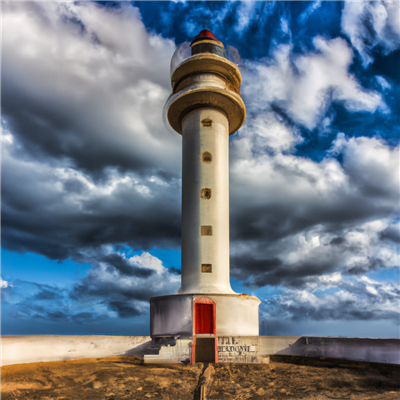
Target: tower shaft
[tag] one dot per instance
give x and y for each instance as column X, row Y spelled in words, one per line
column 205, row 202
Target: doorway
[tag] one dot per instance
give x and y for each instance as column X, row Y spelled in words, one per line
column 204, row 340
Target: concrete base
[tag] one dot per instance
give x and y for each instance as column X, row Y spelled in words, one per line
column 231, row 320
column 171, row 353
column 235, row 315
column 239, row 349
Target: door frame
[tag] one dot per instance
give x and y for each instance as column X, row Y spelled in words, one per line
column 204, row 300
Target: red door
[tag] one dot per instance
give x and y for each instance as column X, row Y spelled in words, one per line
column 204, row 318
column 204, row 349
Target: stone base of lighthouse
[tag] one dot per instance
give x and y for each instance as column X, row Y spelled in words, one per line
column 205, row 328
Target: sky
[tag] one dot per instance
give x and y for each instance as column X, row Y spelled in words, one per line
column 91, row 177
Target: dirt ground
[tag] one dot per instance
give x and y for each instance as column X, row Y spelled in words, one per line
column 115, row 378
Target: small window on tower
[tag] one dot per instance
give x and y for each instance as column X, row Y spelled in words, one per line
column 206, row 230
column 206, row 157
column 206, row 268
column 206, row 122
column 205, row 193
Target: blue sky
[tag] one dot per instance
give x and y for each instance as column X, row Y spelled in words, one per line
column 91, row 177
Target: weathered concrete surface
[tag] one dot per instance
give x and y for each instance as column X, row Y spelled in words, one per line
column 272, row 344
column 171, row 316
column 236, row 315
column 357, row 349
column 20, row 349
column 238, row 349
column 178, row 352
column 36, row 348
column 126, row 378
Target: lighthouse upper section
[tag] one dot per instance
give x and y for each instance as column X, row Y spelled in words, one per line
column 202, row 76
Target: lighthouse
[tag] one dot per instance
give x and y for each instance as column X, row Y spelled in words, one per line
column 205, row 320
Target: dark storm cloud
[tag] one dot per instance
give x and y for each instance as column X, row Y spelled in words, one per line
column 359, row 299
column 347, row 310
column 174, row 271
column 124, row 310
column 121, row 264
column 88, row 166
column 367, row 266
column 257, row 268
column 76, row 104
column 293, row 218
column 87, row 117
column 109, row 287
column 274, row 272
column 337, row 241
column 392, row 232
column 121, row 291
column 41, row 215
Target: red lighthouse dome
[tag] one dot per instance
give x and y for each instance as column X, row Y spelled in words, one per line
column 206, row 34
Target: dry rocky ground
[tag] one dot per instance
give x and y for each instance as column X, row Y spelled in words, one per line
column 115, row 378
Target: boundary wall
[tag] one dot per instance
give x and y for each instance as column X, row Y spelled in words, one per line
column 43, row 348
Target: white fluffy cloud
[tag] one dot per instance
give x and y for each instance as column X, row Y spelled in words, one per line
column 304, row 86
column 369, row 24
column 4, row 284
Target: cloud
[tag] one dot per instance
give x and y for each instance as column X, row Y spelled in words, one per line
column 4, row 284
column 97, row 99
column 392, row 233
column 304, row 86
column 46, row 294
column 293, row 219
column 59, row 212
column 370, row 25
column 245, row 13
column 371, row 164
column 357, row 299
column 125, row 291
column 108, row 290
column 315, row 5
column 89, row 169
column 86, row 155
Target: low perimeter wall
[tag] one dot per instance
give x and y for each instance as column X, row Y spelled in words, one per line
column 43, row 348
column 355, row 349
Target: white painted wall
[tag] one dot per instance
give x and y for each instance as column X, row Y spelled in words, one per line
column 22, row 349
column 196, row 175
column 236, row 315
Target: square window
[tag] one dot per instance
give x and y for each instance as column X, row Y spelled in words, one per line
column 206, row 230
column 206, row 268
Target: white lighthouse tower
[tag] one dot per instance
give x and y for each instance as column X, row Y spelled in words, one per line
column 205, row 107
